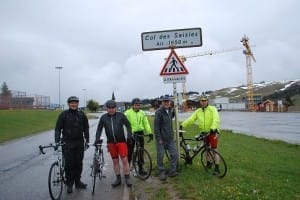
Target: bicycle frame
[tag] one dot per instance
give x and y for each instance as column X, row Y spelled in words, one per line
column 97, row 164
column 56, row 176
column 183, row 143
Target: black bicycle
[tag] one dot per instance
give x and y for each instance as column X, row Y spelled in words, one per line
column 142, row 161
column 98, row 164
column 212, row 161
column 56, row 177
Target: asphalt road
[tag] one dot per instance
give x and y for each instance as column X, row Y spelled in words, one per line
column 24, row 172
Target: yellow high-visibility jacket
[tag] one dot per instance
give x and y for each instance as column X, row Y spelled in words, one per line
column 207, row 118
column 138, row 121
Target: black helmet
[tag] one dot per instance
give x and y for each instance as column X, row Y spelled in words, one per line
column 73, row 98
column 136, row 101
column 111, row 104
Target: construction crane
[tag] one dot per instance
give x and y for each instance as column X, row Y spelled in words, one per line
column 206, row 53
column 249, row 55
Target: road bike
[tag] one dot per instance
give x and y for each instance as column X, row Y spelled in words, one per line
column 142, row 162
column 212, row 161
column 56, row 176
column 97, row 164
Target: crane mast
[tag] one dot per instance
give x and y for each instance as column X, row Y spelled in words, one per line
column 249, row 56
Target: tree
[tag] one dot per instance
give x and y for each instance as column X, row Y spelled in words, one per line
column 289, row 100
column 92, row 105
column 4, row 90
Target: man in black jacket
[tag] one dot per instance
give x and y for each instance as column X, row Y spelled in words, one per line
column 73, row 125
column 113, row 122
column 164, row 135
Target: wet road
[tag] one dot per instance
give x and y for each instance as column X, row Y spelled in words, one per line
column 24, row 172
column 278, row 126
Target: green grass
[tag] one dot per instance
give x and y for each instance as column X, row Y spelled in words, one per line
column 19, row 123
column 257, row 169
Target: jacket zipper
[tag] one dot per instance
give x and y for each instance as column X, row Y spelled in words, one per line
column 112, row 128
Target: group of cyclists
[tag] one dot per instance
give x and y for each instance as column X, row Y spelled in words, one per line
column 121, row 130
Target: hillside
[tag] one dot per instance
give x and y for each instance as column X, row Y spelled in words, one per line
column 268, row 90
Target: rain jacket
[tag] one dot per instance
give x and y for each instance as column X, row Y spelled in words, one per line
column 73, row 125
column 114, row 127
column 207, row 118
column 138, row 121
column 163, row 124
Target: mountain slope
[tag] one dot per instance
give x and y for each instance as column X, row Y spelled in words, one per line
column 268, row 90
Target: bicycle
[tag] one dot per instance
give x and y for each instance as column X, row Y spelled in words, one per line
column 98, row 164
column 210, row 158
column 56, row 176
column 142, row 162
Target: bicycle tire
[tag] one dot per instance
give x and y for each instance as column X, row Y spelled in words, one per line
column 101, row 164
column 94, row 174
column 208, row 155
column 55, row 181
column 142, row 157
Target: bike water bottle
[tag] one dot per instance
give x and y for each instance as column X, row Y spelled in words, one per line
column 188, row 147
column 196, row 148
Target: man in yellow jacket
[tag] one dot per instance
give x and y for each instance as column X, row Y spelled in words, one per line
column 208, row 118
column 139, row 125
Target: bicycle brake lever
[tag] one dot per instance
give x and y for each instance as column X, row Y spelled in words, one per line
column 41, row 150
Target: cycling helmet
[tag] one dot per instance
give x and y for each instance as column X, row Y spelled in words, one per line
column 203, row 97
column 73, row 98
column 136, row 101
column 111, row 104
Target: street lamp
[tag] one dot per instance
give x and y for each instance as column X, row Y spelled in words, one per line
column 59, row 68
column 84, row 97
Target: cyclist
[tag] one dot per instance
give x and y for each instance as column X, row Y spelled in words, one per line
column 113, row 123
column 74, row 127
column 140, row 125
column 209, row 120
column 163, row 129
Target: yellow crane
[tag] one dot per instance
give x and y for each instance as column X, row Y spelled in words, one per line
column 249, row 55
column 206, row 53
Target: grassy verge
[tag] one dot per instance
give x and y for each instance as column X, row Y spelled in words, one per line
column 257, row 169
column 19, row 123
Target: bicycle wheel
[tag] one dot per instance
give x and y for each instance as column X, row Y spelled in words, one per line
column 213, row 163
column 94, row 173
column 101, row 164
column 142, row 163
column 55, row 181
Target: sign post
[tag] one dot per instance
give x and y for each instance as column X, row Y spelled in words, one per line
column 174, row 72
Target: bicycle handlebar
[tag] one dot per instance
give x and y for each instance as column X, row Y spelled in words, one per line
column 49, row 146
column 150, row 135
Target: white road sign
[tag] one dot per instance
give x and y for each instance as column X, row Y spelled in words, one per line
column 180, row 38
column 174, row 79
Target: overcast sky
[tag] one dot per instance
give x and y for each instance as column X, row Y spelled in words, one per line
column 98, row 44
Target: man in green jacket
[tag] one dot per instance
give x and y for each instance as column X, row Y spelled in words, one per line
column 139, row 125
column 208, row 118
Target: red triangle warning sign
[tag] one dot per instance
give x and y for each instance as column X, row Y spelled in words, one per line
column 173, row 65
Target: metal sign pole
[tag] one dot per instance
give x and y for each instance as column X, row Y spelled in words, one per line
column 176, row 119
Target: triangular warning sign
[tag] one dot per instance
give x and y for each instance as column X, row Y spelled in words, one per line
column 173, row 65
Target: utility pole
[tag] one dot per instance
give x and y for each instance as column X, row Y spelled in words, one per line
column 59, row 68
